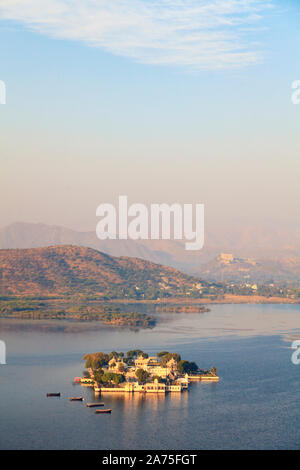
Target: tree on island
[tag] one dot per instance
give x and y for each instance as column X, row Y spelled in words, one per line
column 162, row 353
column 142, row 376
column 167, row 357
column 214, row 371
column 186, row 367
column 118, row 379
column 88, row 360
column 96, row 360
column 98, row 374
column 134, row 354
column 113, row 354
column 102, row 377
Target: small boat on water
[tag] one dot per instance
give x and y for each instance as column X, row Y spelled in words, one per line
column 103, row 411
column 94, row 404
column 76, row 399
column 53, row 394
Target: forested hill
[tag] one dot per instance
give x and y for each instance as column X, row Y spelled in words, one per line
column 68, row 269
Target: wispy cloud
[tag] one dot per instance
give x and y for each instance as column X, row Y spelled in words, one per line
column 199, row 34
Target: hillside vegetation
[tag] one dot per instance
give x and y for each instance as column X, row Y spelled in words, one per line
column 61, row 270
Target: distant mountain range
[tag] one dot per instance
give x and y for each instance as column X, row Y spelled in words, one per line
column 67, row 269
column 25, row 235
column 259, row 255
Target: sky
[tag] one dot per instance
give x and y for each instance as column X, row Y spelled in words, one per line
column 162, row 101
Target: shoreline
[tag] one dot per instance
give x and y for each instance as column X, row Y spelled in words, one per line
column 229, row 299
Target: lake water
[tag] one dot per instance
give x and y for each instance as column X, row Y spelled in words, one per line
column 254, row 406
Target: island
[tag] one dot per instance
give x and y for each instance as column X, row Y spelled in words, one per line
column 136, row 371
column 60, row 308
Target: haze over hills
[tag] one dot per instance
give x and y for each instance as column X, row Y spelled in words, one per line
column 274, row 254
column 67, row 269
column 25, row 235
column 226, row 267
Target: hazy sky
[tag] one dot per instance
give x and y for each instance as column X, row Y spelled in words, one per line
column 163, row 101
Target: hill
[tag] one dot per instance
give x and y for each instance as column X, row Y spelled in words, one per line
column 228, row 268
column 259, row 255
column 67, row 269
column 254, row 242
column 27, row 235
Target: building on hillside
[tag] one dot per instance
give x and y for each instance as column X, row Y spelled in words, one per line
column 226, row 257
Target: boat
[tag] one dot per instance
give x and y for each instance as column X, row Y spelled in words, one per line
column 103, row 411
column 53, row 394
column 94, row 404
column 76, row 399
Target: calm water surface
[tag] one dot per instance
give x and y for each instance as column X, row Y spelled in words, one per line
column 254, row 406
